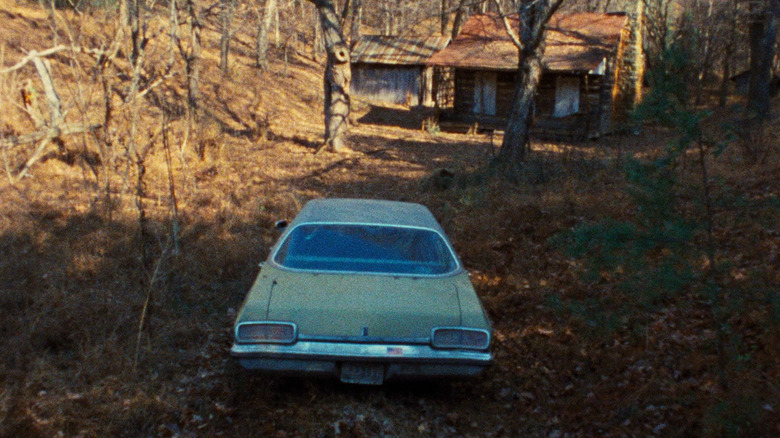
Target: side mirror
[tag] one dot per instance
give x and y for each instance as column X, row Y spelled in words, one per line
column 281, row 225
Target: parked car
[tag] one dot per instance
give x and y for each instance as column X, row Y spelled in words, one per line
column 366, row 291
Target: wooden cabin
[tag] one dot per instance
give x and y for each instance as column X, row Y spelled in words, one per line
column 393, row 69
column 588, row 83
column 742, row 83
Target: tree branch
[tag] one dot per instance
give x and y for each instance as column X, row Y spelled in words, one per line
column 32, row 55
column 52, row 98
column 508, row 26
column 535, row 34
column 50, row 133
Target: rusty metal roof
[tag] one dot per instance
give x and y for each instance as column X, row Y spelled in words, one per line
column 574, row 42
column 378, row 49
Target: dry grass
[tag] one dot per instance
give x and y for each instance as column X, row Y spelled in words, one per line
column 74, row 280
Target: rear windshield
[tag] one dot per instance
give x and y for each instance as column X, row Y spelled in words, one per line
column 366, row 248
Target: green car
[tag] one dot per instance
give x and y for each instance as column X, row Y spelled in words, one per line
column 366, row 291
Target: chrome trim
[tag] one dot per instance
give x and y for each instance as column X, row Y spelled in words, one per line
column 467, row 329
column 239, row 325
column 365, row 339
column 277, row 246
column 336, row 351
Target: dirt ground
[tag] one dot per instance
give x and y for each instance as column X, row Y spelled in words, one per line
column 121, row 272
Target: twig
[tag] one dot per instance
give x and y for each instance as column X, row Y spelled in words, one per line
column 7, row 166
column 145, row 309
column 35, row 157
column 171, row 185
column 154, row 85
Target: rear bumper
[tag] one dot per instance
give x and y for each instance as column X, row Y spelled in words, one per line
column 400, row 361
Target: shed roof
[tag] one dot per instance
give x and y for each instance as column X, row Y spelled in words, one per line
column 574, row 42
column 379, row 49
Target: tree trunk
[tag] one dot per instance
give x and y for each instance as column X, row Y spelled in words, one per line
column 264, row 27
column 517, row 137
column 460, row 18
column 193, row 58
column 192, row 67
column 387, row 18
column 529, row 39
column 173, row 33
column 357, row 16
column 135, row 29
column 317, row 45
column 763, row 31
column 705, row 66
column 445, row 16
column 224, row 42
column 728, row 53
column 338, row 74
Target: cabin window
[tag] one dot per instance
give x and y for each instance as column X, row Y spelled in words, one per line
column 485, row 93
column 567, row 96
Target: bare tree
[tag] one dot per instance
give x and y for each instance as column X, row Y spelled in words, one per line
column 764, row 15
column 228, row 9
column 317, row 46
column 461, row 15
column 533, row 16
column 261, row 52
column 337, row 77
column 729, row 47
column 136, row 28
column 350, row 18
column 705, row 9
column 659, row 17
column 445, row 16
column 191, row 55
column 356, row 15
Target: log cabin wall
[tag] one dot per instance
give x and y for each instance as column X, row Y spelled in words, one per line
column 444, row 87
column 584, row 50
column 464, row 88
column 464, row 91
column 506, row 92
column 586, row 123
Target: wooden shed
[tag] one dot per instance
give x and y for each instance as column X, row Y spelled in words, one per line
column 591, row 79
column 393, row 69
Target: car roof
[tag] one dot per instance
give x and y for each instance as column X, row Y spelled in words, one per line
column 366, row 211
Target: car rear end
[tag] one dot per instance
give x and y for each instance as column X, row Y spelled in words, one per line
column 362, row 329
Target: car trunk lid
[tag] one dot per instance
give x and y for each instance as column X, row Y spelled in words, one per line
column 364, row 306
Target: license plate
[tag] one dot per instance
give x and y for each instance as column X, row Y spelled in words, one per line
column 363, row 373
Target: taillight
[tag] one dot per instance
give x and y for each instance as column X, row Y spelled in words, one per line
column 456, row 337
column 266, row 332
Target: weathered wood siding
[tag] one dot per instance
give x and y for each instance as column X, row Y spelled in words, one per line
column 587, row 122
column 393, row 84
column 464, row 92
